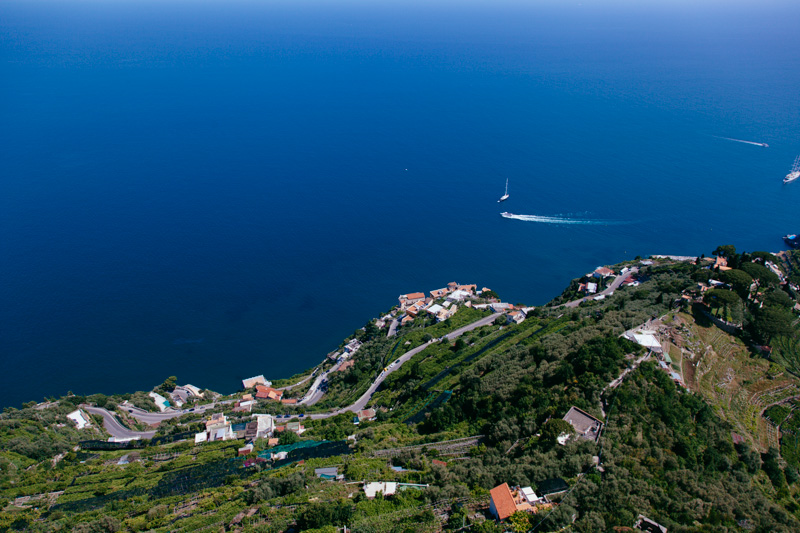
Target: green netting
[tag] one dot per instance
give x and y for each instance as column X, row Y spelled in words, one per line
column 291, row 447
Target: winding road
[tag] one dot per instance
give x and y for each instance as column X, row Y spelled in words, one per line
column 608, row 291
column 115, row 428
column 314, row 393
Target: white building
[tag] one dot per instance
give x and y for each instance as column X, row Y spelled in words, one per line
column 457, row 296
column 249, row 383
column 80, row 418
column 160, row 401
column 266, row 426
column 645, row 338
column 386, row 487
column 531, row 496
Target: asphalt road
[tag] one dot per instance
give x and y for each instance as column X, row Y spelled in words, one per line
column 315, row 393
column 365, row 398
column 314, row 373
column 114, row 428
column 392, row 328
column 610, row 289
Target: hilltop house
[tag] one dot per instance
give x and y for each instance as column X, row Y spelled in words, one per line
column 217, row 428
column 602, row 272
column 721, row 264
column 516, row 315
column 645, row 338
column 328, row 472
column 160, row 401
column 500, row 307
column 442, row 312
column 80, row 418
column 268, row 393
column 439, row 293
column 458, row 295
column 388, row 488
column 407, row 300
column 352, row 346
column 586, row 426
column 249, row 383
column 504, row 501
column 244, row 406
column 265, row 425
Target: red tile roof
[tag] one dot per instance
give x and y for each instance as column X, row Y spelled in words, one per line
column 415, row 296
column 503, row 501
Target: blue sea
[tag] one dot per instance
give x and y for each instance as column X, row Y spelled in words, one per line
column 215, row 190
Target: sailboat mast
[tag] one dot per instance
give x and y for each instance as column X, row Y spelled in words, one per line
column 506, row 186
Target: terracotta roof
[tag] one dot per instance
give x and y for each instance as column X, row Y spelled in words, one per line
column 347, row 364
column 268, row 392
column 289, row 400
column 503, row 501
column 415, row 296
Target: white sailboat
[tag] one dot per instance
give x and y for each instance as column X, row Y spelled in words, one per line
column 795, row 173
column 505, row 196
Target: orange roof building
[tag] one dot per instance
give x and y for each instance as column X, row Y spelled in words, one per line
column 502, row 502
column 268, row 393
column 346, row 365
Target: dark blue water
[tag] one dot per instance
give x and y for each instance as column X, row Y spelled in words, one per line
column 221, row 189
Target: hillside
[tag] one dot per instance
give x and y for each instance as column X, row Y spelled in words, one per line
column 458, row 413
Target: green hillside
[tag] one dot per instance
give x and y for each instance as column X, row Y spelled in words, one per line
column 465, row 415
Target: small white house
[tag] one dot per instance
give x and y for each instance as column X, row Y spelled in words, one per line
column 457, row 296
column 266, row 425
column 160, row 401
column 249, row 383
column 80, row 418
column 386, row 487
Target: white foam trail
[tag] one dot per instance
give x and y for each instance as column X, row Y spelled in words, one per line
column 765, row 145
column 555, row 220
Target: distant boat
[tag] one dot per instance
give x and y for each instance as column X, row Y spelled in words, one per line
column 795, row 173
column 792, row 240
column 505, row 196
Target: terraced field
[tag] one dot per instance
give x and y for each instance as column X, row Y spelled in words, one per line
column 737, row 383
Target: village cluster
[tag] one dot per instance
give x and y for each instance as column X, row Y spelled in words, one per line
column 443, row 303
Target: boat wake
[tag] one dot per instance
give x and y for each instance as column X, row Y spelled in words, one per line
column 764, row 145
column 559, row 220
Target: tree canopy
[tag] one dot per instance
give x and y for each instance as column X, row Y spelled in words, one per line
column 760, row 273
column 739, row 280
